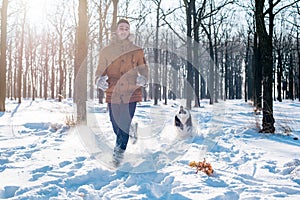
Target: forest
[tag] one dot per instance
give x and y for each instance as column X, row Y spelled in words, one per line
column 205, row 49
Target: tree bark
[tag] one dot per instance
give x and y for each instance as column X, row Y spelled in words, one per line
column 226, row 67
column 189, row 89
column 291, row 78
column 196, row 58
column 20, row 62
column 10, row 73
column 165, row 75
column 115, row 12
column 298, row 53
column 3, row 55
column 60, row 64
column 247, row 69
column 46, row 71
column 279, row 76
column 80, row 96
column 156, row 56
column 265, row 43
column 52, row 79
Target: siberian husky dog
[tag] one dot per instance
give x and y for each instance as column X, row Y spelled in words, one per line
column 183, row 122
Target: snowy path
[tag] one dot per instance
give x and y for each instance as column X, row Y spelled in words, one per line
column 6, row 123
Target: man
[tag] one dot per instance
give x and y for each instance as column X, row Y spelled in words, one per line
column 121, row 73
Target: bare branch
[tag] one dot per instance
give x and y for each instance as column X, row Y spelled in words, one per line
column 213, row 12
column 175, row 32
column 284, row 7
column 280, row 9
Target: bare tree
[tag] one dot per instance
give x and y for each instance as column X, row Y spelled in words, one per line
column 102, row 11
column 80, row 96
column 28, row 51
column 298, row 53
column 114, row 17
column 248, row 77
column 3, row 55
column 10, row 80
column 53, row 74
column 156, row 52
column 278, row 48
column 20, row 60
column 265, row 36
column 189, row 6
column 61, row 28
column 265, row 43
column 46, row 41
column 209, row 24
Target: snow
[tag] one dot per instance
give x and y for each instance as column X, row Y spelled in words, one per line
column 42, row 158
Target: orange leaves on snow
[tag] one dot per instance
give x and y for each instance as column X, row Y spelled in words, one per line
column 202, row 166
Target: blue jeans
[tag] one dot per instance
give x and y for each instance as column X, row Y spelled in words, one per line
column 121, row 116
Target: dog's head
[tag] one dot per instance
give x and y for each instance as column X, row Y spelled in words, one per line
column 183, row 115
column 182, row 110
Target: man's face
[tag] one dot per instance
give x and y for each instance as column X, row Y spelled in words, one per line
column 123, row 31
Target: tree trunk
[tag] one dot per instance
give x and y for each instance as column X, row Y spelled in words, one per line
column 115, row 12
column 103, row 15
column 298, row 52
column 267, row 62
column 211, row 70
column 247, row 67
column 291, row 78
column 3, row 55
column 216, row 73
column 46, row 74
column 53, row 77
column 265, row 43
column 196, row 58
column 222, row 75
column 279, row 76
column 226, row 85
column 33, row 82
column 211, row 81
column 15, row 75
column 91, row 73
column 61, row 71
column 80, row 95
column 10, row 73
column 230, row 75
column 20, row 61
column 156, row 56
column 26, row 81
column 189, row 88
column 165, row 75
column 257, row 71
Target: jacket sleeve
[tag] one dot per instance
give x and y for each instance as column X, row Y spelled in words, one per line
column 142, row 65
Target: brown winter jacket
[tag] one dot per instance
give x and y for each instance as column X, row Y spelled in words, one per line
column 122, row 61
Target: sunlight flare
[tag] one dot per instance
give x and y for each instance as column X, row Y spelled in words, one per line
column 37, row 12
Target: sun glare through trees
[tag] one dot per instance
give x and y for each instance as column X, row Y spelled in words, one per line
column 37, row 12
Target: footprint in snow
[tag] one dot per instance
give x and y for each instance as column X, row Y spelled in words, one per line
column 39, row 172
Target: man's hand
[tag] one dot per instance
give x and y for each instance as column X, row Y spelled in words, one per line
column 141, row 81
column 101, row 83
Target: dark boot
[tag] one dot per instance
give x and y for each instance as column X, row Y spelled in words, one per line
column 118, row 156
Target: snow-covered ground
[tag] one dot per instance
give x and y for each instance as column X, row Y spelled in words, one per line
column 42, row 158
